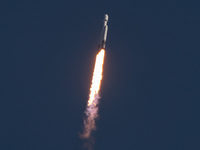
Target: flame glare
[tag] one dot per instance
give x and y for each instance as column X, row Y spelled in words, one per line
column 92, row 107
column 97, row 76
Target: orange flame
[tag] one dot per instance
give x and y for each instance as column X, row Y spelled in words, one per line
column 97, row 76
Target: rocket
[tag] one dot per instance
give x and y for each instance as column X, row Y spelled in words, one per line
column 102, row 43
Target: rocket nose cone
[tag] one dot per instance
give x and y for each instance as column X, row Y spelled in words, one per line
column 106, row 17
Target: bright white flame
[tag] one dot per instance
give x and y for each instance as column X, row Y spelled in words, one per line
column 92, row 107
column 97, row 76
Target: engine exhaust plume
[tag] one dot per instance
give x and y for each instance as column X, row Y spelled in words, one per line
column 92, row 105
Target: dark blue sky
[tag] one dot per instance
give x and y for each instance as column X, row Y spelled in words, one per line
column 150, row 94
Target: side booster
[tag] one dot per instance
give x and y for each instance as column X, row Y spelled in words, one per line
column 104, row 31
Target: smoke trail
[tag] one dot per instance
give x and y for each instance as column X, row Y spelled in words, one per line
column 92, row 106
column 92, row 114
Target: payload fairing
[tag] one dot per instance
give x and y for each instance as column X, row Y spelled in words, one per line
column 104, row 31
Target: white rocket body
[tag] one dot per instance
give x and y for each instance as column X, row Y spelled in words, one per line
column 104, row 31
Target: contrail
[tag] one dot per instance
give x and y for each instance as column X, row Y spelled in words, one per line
column 92, row 106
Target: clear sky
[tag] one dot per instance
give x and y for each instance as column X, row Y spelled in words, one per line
column 150, row 89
